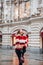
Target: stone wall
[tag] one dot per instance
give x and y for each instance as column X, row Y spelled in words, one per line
column 36, row 26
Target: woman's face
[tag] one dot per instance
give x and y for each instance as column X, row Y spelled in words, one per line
column 21, row 32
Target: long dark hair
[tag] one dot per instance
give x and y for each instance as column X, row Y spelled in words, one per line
column 18, row 32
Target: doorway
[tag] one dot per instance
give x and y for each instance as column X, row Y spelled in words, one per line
column 41, row 42
column 0, row 38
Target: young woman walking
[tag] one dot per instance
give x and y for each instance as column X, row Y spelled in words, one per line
column 21, row 45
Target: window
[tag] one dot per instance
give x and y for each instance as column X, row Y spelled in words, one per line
column 0, row 36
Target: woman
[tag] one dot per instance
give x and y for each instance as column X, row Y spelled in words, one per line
column 21, row 44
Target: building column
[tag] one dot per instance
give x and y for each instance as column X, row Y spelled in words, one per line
column 42, row 8
column 34, row 6
column 5, row 11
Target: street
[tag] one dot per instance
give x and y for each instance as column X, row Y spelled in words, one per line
column 9, row 57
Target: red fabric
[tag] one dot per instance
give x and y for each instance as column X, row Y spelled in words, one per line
column 41, row 34
column 0, row 36
column 24, row 37
column 21, row 37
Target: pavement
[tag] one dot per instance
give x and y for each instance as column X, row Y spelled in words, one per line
column 9, row 57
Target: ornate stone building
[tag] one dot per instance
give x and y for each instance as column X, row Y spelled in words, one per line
column 21, row 14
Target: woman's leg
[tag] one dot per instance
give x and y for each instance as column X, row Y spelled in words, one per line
column 24, row 50
column 18, row 52
column 22, row 54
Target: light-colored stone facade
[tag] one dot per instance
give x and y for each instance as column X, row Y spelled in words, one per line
column 32, row 25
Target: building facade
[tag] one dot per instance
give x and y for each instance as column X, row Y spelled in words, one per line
column 21, row 14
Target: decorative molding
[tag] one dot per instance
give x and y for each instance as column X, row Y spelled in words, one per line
column 28, row 21
column 16, row 23
column 6, row 33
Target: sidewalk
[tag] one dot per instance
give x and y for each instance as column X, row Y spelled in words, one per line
column 9, row 57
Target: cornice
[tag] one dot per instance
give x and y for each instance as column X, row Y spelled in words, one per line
column 28, row 21
column 36, row 18
column 16, row 23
